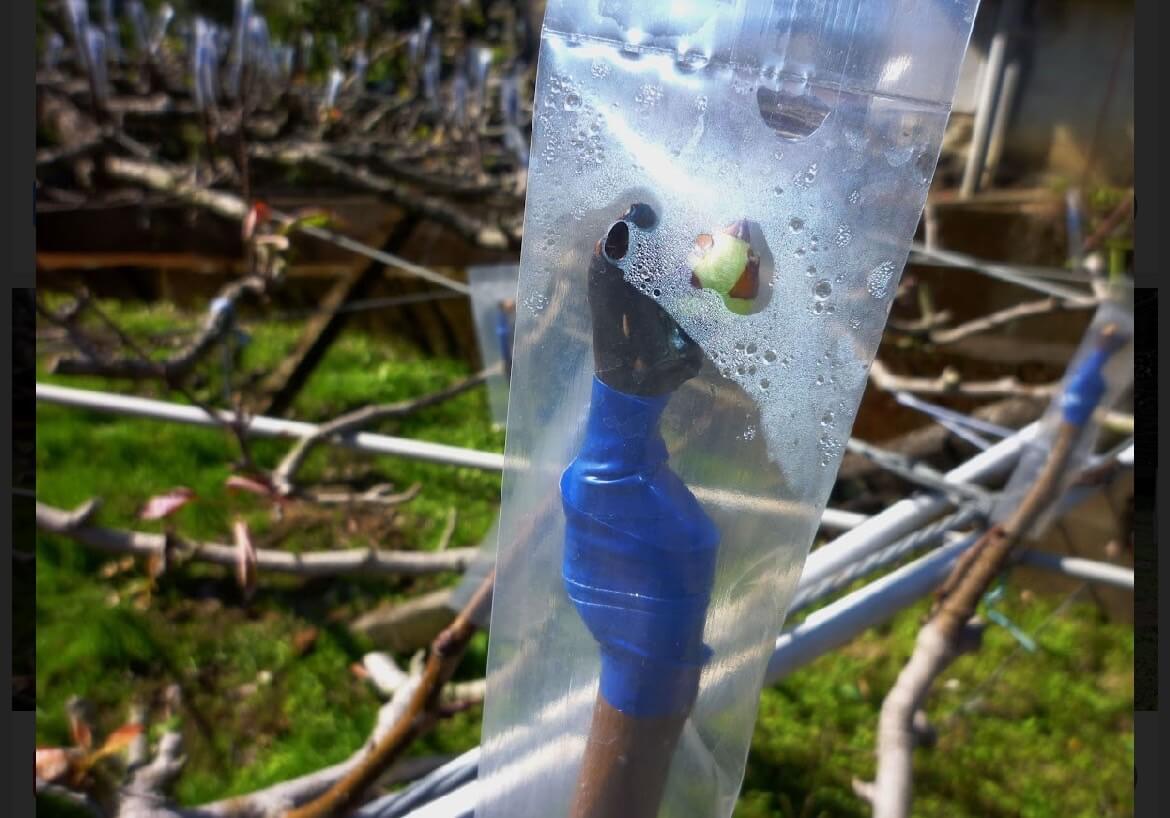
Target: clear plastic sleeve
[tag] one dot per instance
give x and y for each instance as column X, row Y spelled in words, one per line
column 493, row 309
column 1083, row 405
column 721, row 197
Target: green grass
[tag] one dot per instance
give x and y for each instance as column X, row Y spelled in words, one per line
column 1053, row 734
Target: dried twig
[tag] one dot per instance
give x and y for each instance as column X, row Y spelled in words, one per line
column 364, row 561
column 951, row 383
column 422, row 713
column 950, row 630
column 284, row 475
column 1028, row 309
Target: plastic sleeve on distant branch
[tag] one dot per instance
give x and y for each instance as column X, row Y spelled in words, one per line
column 1085, row 388
column 639, row 560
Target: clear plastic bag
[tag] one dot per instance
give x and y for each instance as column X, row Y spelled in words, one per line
column 493, row 309
column 666, row 528
column 1115, row 377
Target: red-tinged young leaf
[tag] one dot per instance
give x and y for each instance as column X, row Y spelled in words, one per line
column 245, row 557
column 257, row 214
column 55, row 763
column 238, row 482
column 115, row 742
column 164, row 505
column 80, row 732
column 304, row 640
column 359, row 670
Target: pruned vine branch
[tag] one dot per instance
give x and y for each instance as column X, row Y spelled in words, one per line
column 353, row 561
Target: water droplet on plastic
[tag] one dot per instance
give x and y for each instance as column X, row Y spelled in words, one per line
column 820, row 380
column 855, row 322
column 879, row 278
column 844, row 235
column 797, row 225
column 765, row 383
column 751, row 349
column 779, row 191
column 827, row 419
column 818, row 308
column 751, row 370
column 854, row 197
column 799, row 252
column 811, row 270
column 769, row 356
column 823, row 289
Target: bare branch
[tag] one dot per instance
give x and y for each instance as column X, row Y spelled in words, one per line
column 284, row 475
column 950, row 383
column 422, row 713
column 1028, row 309
column 363, row 561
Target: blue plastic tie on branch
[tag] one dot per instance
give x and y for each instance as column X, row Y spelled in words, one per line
column 1085, row 387
column 998, row 617
column 505, row 327
column 640, row 572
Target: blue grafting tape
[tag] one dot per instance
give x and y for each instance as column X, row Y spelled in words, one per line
column 639, row 559
column 1085, row 388
column 504, row 329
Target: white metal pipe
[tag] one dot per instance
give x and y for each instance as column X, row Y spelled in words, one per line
column 1103, row 573
column 999, row 127
column 907, row 516
column 840, row 622
column 262, row 426
column 985, row 108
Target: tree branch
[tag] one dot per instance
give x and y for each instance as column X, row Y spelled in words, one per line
column 353, row 561
column 421, row 714
column 284, row 475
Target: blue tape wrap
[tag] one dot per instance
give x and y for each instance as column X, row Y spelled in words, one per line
column 1085, row 388
column 504, row 337
column 639, row 559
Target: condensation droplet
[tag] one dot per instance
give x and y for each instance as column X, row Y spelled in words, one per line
column 854, row 197
column 797, row 225
column 818, row 308
column 799, row 252
column 811, row 271
column 820, row 380
column 823, row 289
column 855, row 322
column 879, row 278
column 751, row 370
column 572, row 101
column 827, row 419
column 751, row 349
column 844, row 235
column 769, row 356
column 765, row 383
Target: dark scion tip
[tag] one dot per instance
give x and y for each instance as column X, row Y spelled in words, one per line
column 617, row 241
column 642, row 216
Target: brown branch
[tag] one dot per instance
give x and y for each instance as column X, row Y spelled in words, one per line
column 284, row 475
column 363, row 561
column 1028, row 309
column 140, row 366
column 421, row 714
column 474, row 230
column 1110, row 224
column 950, row 628
column 950, row 383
